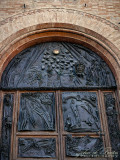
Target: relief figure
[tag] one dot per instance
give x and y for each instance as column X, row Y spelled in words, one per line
column 80, row 114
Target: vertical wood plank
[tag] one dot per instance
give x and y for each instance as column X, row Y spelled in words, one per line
column 105, row 124
column 15, row 116
column 1, row 111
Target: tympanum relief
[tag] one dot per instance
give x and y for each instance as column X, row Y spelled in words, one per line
column 73, row 66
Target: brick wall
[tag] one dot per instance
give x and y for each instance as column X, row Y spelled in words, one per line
column 108, row 9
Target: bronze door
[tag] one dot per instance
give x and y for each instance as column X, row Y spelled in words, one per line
column 57, row 124
column 58, row 101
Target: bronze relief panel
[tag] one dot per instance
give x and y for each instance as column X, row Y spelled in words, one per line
column 113, row 126
column 37, row 112
column 84, row 147
column 80, row 112
column 37, row 147
column 7, row 120
column 57, row 65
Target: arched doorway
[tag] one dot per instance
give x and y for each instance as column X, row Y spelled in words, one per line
column 58, row 103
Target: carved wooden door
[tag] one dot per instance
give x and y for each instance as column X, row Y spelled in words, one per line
column 58, row 102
